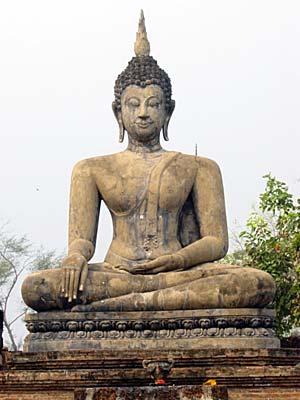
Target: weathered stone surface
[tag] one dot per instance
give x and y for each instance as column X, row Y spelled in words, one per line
column 275, row 393
column 154, row 393
column 235, row 369
column 168, row 215
column 36, row 395
column 194, row 329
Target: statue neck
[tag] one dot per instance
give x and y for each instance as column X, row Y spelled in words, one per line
column 141, row 147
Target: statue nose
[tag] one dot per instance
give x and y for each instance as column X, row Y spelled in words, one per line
column 143, row 117
column 143, row 114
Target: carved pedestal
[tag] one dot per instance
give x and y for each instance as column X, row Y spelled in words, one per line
column 168, row 330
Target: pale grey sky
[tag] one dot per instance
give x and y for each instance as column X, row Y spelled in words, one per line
column 235, row 70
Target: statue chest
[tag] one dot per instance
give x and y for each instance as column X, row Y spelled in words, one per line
column 164, row 185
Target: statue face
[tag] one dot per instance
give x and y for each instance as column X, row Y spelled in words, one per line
column 143, row 111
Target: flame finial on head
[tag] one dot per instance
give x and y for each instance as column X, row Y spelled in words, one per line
column 142, row 45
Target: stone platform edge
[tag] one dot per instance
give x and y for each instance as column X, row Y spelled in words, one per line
column 229, row 367
column 188, row 329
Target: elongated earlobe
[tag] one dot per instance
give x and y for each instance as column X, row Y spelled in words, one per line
column 165, row 131
column 118, row 116
column 121, row 132
column 166, row 124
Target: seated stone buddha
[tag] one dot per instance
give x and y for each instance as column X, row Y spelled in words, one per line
column 168, row 213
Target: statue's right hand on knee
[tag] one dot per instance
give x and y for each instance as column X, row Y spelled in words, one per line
column 75, row 270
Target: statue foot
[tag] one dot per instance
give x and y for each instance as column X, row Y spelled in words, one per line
column 129, row 302
column 82, row 308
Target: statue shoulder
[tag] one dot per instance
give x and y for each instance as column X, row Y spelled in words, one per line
column 89, row 165
column 208, row 166
column 209, row 172
column 202, row 163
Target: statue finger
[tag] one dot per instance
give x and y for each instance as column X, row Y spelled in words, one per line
column 140, row 267
column 76, row 283
column 67, row 281
column 136, row 270
column 152, row 264
column 63, row 283
column 159, row 270
column 166, row 268
column 71, row 284
column 153, row 271
column 122, row 268
column 83, row 276
column 143, row 268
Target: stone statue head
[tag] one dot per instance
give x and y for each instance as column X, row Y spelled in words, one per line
column 143, row 102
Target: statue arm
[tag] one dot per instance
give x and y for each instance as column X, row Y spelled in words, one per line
column 84, row 211
column 209, row 204
column 83, row 222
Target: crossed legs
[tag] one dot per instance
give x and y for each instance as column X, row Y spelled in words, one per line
column 205, row 286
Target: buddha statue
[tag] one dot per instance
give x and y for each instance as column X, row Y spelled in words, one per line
column 168, row 213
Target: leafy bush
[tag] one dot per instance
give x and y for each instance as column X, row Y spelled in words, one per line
column 272, row 243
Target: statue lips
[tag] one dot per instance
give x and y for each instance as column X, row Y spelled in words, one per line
column 143, row 122
column 144, row 125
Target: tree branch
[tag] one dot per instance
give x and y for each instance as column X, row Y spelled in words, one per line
column 9, row 262
column 10, row 334
column 16, row 318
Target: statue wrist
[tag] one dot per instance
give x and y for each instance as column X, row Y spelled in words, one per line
column 180, row 261
column 83, row 247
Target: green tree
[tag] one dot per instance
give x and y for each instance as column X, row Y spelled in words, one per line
column 18, row 255
column 271, row 242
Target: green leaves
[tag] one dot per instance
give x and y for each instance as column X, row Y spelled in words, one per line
column 276, row 197
column 272, row 243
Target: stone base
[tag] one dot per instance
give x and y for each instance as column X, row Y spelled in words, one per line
column 128, row 375
column 160, row 392
column 171, row 330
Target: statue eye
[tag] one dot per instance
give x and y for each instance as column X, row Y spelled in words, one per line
column 154, row 103
column 133, row 102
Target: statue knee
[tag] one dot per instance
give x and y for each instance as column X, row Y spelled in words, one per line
column 266, row 282
column 260, row 286
column 39, row 292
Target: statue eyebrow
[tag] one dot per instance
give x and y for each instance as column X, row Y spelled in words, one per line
column 132, row 98
column 154, row 97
